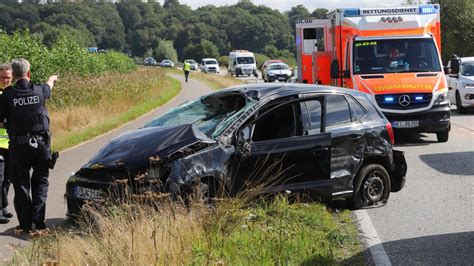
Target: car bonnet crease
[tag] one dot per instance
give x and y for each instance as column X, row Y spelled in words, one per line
column 133, row 149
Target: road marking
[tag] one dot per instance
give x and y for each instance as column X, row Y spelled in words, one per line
column 371, row 238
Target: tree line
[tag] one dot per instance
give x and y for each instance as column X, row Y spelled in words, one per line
column 143, row 29
column 175, row 31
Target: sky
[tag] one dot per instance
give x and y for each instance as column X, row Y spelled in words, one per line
column 286, row 5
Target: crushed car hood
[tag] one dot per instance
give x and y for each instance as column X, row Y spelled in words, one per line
column 133, row 149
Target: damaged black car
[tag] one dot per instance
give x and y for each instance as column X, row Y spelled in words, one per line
column 329, row 141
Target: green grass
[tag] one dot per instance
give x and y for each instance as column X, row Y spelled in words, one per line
column 114, row 121
column 280, row 233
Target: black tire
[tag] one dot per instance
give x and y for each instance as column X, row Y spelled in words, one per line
column 461, row 110
column 443, row 136
column 371, row 187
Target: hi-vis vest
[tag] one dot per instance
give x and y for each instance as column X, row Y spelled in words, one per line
column 187, row 66
column 3, row 136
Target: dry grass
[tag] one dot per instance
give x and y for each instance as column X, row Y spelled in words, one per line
column 79, row 105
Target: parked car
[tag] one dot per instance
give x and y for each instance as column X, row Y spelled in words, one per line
column 298, row 137
column 193, row 64
column 209, row 65
column 276, row 71
column 149, row 61
column 167, row 63
column 461, row 82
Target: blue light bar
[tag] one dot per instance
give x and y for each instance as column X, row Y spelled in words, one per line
column 419, row 98
column 352, row 12
column 427, row 9
column 388, row 99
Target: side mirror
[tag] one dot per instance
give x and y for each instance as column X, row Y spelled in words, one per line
column 335, row 69
column 446, row 70
column 455, row 66
column 346, row 74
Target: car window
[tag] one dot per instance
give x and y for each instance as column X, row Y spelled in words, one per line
column 337, row 110
column 312, row 121
column 357, row 111
column 277, row 124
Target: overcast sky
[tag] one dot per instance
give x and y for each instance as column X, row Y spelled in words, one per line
column 286, row 5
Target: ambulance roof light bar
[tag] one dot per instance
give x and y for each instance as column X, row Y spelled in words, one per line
column 423, row 9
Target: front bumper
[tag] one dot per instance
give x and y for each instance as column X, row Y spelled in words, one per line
column 434, row 120
column 467, row 98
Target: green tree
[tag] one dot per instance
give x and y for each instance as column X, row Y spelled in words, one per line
column 165, row 50
column 202, row 50
column 457, row 28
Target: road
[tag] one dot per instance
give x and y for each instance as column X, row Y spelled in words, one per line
column 431, row 221
column 72, row 159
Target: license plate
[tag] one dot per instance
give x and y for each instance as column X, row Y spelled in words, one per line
column 87, row 193
column 406, row 124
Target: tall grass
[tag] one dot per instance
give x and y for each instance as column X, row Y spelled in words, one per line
column 231, row 232
column 82, row 108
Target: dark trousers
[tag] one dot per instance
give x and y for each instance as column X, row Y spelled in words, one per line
column 30, row 209
column 186, row 75
column 4, row 179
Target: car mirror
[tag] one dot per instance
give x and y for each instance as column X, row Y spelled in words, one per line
column 335, row 69
column 446, row 70
column 455, row 66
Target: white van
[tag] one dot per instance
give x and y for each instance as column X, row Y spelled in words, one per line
column 242, row 62
column 209, row 65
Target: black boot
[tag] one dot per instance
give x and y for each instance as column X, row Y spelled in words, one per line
column 4, row 220
column 7, row 214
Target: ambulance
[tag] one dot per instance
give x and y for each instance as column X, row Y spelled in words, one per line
column 392, row 53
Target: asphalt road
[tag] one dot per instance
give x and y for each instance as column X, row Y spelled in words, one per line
column 72, row 159
column 431, row 221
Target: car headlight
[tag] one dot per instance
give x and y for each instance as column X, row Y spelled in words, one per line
column 271, row 74
column 441, row 97
column 467, row 84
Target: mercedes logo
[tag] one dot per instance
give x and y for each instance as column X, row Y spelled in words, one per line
column 404, row 100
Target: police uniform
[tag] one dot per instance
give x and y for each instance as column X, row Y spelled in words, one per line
column 27, row 123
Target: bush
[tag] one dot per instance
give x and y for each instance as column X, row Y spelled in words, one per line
column 224, row 60
column 63, row 57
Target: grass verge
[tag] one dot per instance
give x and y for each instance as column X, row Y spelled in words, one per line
column 83, row 109
column 214, row 81
column 266, row 233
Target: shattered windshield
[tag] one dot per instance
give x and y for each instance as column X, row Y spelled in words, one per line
column 395, row 56
column 207, row 113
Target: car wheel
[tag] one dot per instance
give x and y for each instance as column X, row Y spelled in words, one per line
column 460, row 109
column 443, row 136
column 371, row 187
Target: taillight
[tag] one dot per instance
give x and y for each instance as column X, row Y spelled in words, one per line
column 389, row 128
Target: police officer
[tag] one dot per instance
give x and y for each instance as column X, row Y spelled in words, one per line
column 27, row 123
column 5, row 81
column 186, row 69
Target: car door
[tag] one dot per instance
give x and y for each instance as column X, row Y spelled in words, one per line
column 279, row 157
column 348, row 141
